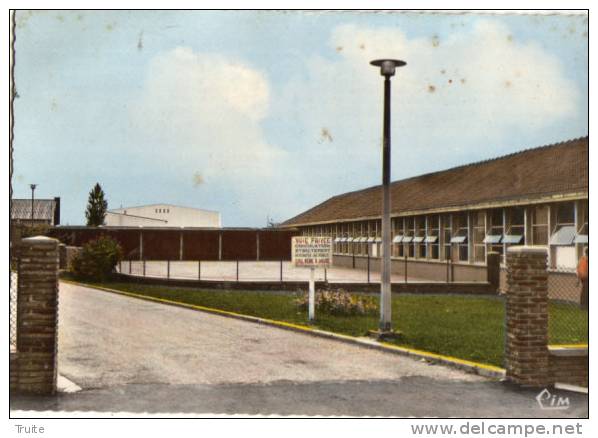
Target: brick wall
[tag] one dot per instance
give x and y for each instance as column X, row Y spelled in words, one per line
column 526, row 349
column 197, row 244
column 569, row 365
column 33, row 366
column 529, row 360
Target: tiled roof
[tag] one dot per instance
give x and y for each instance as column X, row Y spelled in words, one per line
column 43, row 209
column 555, row 169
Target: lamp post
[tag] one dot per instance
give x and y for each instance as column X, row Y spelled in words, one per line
column 387, row 69
column 33, row 186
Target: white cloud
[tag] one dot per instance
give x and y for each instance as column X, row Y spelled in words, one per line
column 206, row 109
column 458, row 95
column 473, row 87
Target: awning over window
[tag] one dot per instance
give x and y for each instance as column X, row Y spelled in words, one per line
column 397, row 239
column 378, row 239
column 338, row 239
column 492, row 238
column 407, row 239
column 349, row 239
column 418, row 239
column 431, row 239
column 371, row 239
column 564, row 236
column 459, row 239
column 512, row 238
column 581, row 238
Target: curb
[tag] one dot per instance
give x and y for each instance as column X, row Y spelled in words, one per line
column 481, row 369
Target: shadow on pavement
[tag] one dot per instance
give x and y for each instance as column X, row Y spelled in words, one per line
column 409, row 396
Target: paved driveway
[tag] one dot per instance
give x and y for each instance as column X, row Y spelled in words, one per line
column 137, row 356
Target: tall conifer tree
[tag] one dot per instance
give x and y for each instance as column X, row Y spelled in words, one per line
column 96, row 207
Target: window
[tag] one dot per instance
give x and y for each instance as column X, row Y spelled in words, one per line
column 540, row 225
column 401, row 233
column 358, row 234
column 564, row 236
column 379, row 237
column 409, row 234
column 446, row 234
column 564, row 229
column 582, row 220
column 459, row 238
column 433, row 231
column 495, row 230
column 479, row 234
column 419, row 236
column 397, row 236
column 514, row 226
column 565, row 213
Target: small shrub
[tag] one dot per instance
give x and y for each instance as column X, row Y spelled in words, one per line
column 339, row 303
column 96, row 260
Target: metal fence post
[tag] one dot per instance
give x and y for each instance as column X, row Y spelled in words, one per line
column 447, row 270
column 120, row 266
column 199, row 269
column 237, row 270
column 368, row 267
column 168, row 269
column 405, row 268
column 325, row 275
column 281, row 270
column 129, row 266
column 144, row 267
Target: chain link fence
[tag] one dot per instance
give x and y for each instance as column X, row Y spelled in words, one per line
column 568, row 307
column 13, row 310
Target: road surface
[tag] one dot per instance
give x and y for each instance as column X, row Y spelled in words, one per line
column 137, row 356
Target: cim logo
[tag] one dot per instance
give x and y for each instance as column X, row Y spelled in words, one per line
column 550, row 401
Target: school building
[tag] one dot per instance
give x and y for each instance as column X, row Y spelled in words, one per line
column 457, row 216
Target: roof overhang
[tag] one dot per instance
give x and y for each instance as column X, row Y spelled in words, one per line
column 514, row 202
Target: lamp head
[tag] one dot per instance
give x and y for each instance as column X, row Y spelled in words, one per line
column 388, row 66
column 33, row 186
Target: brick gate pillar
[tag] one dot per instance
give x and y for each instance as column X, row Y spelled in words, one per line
column 526, row 349
column 37, row 315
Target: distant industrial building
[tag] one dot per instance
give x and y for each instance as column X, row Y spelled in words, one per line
column 162, row 215
column 45, row 212
column 535, row 197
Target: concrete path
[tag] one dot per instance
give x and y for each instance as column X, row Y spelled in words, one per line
column 137, row 356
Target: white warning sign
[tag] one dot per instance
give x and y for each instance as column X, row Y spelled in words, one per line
column 312, row 251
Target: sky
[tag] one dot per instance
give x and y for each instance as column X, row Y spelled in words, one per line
column 264, row 114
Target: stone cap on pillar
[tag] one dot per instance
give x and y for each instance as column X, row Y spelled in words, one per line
column 40, row 240
column 529, row 249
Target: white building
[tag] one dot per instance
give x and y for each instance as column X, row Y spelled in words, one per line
column 162, row 215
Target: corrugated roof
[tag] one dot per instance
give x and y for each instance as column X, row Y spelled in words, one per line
column 559, row 168
column 43, row 209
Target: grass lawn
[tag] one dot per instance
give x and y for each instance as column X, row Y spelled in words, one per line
column 467, row 327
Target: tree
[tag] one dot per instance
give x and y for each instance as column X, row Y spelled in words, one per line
column 96, row 260
column 96, row 207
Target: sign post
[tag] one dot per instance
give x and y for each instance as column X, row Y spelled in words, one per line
column 312, row 252
column 312, row 294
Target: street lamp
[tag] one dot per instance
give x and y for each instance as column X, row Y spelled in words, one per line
column 33, row 186
column 387, row 69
